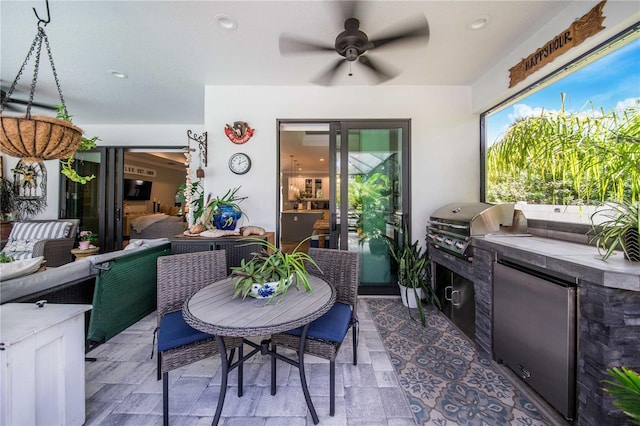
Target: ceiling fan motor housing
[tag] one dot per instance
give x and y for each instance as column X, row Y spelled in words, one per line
column 351, row 43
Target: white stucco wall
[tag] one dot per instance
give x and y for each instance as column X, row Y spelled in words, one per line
column 444, row 134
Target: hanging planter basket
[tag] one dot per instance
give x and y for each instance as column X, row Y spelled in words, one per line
column 39, row 137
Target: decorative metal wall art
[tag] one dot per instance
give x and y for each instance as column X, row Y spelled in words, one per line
column 203, row 150
column 30, row 180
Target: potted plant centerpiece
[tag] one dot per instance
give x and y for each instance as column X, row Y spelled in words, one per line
column 224, row 211
column 271, row 271
column 413, row 265
column 620, row 229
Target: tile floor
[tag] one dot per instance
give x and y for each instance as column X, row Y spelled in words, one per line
column 121, row 386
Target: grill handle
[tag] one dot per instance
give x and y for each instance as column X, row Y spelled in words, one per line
column 450, row 225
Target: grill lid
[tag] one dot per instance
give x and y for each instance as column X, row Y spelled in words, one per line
column 477, row 218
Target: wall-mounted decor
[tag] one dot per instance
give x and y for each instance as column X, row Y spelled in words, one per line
column 239, row 133
column 239, row 163
column 581, row 29
column 30, row 180
column 203, row 150
column 135, row 170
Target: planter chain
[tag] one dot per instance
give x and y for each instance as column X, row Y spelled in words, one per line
column 37, row 46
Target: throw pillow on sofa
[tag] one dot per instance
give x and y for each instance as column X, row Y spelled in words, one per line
column 19, row 249
column 39, row 230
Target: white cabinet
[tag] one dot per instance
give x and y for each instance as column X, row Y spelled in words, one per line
column 317, row 187
column 42, row 364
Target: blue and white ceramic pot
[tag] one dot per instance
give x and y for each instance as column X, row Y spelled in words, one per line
column 226, row 218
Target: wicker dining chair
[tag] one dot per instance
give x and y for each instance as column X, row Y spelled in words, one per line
column 179, row 277
column 325, row 335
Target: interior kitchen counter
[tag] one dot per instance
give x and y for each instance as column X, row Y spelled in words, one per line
column 578, row 260
column 303, row 211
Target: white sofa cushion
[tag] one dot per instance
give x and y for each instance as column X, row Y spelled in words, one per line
column 19, row 268
column 39, row 230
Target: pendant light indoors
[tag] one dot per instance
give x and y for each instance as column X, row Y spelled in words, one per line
column 35, row 138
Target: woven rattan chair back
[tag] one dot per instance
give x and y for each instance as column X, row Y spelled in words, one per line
column 341, row 269
column 181, row 275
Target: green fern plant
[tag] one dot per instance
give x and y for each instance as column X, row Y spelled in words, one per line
column 625, row 391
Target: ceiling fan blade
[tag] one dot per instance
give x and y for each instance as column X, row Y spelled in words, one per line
column 418, row 28
column 326, row 77
column 290, row 45
column 383, row 73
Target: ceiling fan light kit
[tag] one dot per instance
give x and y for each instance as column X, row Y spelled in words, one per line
column 35, row 138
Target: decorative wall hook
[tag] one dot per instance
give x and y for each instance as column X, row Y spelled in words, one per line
column 202, row 145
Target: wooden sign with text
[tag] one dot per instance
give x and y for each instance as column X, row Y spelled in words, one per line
column 579, row 31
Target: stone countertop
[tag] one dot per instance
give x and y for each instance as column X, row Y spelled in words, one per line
column 578, row 260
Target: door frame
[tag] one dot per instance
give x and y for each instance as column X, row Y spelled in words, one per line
column 342, row 126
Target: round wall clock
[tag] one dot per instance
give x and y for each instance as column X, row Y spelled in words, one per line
column 239, row 163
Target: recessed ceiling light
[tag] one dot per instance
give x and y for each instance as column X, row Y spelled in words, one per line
column 322, row 159
column 227, row 22
column 478, row 23
column 118, row 74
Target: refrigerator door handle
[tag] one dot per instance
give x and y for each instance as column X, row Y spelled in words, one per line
column 455, row 298
column 448, row 288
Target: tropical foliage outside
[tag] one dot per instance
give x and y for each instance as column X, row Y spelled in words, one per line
column 567, row 158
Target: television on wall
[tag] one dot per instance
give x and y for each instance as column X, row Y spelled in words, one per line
column 137, row 190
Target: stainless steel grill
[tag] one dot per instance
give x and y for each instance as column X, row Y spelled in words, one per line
column 452, row 226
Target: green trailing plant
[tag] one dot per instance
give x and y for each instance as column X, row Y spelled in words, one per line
column 86, row 145
column 413, row 270
column 271, row 264
column 4, row 258
column 625, row 391
column 620, row 229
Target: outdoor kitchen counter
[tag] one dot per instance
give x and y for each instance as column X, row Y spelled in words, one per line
column 577, row 260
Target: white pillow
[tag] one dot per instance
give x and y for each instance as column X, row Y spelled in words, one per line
column 19, row 268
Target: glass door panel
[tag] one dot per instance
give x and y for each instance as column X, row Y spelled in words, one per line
column 369, row 182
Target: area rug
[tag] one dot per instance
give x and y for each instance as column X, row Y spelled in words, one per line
column 446, row 382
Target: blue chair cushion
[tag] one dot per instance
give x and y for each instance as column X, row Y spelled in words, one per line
column 175, row 332
column 332, row 326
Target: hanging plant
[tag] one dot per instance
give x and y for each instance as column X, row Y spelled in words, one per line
column 85, row 145
column 36, row 138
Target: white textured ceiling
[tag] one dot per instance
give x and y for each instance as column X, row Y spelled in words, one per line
column 172, row 49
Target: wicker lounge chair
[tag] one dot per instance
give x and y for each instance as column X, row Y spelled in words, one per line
column 180, row 276
column 342, row 270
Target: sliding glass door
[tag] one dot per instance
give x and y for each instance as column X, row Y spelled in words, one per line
column 363, row 197
column 97, row 203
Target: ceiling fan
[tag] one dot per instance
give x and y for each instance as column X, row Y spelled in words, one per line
column 353, row 45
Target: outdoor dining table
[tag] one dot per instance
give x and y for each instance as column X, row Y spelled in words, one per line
column 214, row 310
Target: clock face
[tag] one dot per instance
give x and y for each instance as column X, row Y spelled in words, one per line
column 239, row 163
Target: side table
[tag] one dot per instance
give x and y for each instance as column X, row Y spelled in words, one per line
column 80, row 253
